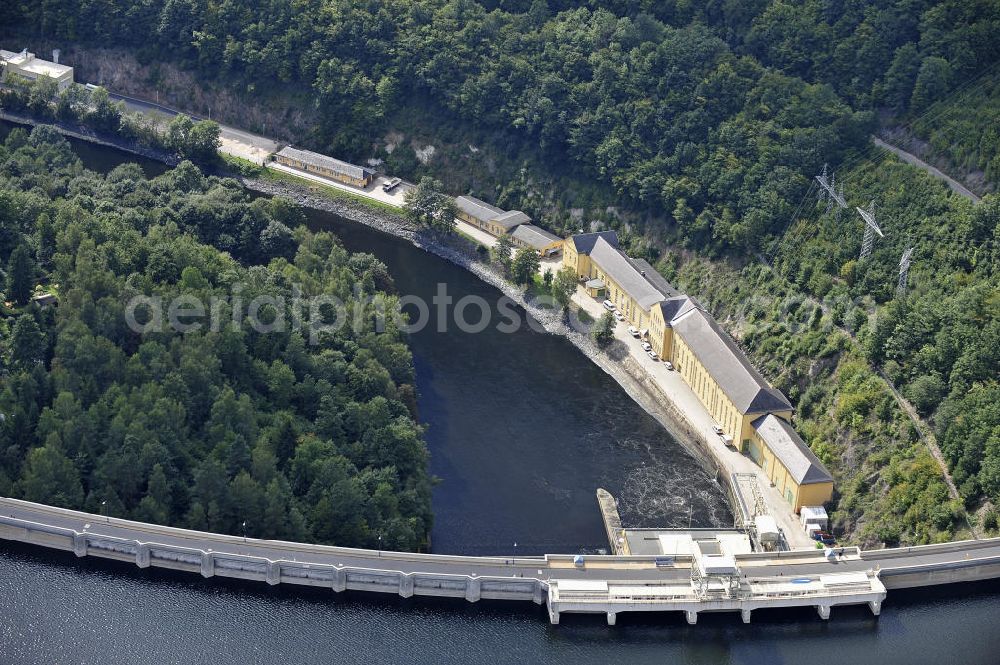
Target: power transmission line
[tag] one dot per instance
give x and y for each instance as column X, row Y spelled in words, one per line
column 904, row 272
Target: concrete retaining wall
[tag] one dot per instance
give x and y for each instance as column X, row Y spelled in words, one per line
column 971, row 570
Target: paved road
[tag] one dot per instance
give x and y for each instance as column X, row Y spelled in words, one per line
column 919, row 163
column 236, row 142
column 553, row 567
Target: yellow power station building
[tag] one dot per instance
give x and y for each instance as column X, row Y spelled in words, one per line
column 753, row 415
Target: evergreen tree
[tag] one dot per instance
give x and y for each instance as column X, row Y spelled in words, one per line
column 501, row 253
column 20, row 275
column 27, row 344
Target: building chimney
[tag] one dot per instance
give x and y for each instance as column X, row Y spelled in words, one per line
column 55, row 55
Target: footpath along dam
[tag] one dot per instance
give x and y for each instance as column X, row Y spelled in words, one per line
column 603, row 584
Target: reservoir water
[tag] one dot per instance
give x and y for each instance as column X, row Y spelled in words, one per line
column 522, row 429
column 55, row 609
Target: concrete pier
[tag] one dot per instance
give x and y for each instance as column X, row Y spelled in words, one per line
column 405, row 586
column 612, row 522
column 207, row 564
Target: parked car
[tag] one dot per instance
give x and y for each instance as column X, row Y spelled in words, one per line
column 646, row 346
column 632, row 330
column 391, row 184
column 652, row 354
column 669, row 365
column 717, row 429
column 825, row 538
column 608, row 305
column 619, row 315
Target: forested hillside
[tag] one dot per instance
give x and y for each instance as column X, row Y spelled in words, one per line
column 212, row 427
column 712, row 113
column 695, row 129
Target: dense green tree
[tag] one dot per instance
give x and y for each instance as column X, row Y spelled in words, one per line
column 202, row 428
column 902, row 76
column 604, row 330
column 428, row 205
column 502, row 253
column 27, row 343
column 525, row 266
column 564, row 286
column 50, row 477
column 192, row 140
column 933, row 81
column 20, row 275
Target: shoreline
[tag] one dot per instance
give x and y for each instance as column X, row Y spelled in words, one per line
column 627, row 373
column 632, row 378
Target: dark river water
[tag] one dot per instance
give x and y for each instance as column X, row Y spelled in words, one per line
column 522, row 430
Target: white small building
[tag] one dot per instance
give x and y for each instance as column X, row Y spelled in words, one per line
column 767, row 530
column 814, row 515
column 26, row 65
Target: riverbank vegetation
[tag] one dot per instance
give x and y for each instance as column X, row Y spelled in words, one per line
column 695, row 130
column 219, row 425
column 94, row 109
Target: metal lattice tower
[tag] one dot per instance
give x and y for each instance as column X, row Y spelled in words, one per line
column 830, row 193
column 871, row 228
column 904, row 271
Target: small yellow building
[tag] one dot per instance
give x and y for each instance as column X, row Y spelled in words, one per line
column 328, row 167
column 789, row 464
column 478, row 213
column 489, row 218
column 538, row 239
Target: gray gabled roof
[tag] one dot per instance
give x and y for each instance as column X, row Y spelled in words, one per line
column 675, row 307
column 584, row 242
column 511, row 218
column 535, row 237
column 793, row 452
column 655, row 278
column 727, row 364
column 621, row 269
column 480, row 210
column 329, row 163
